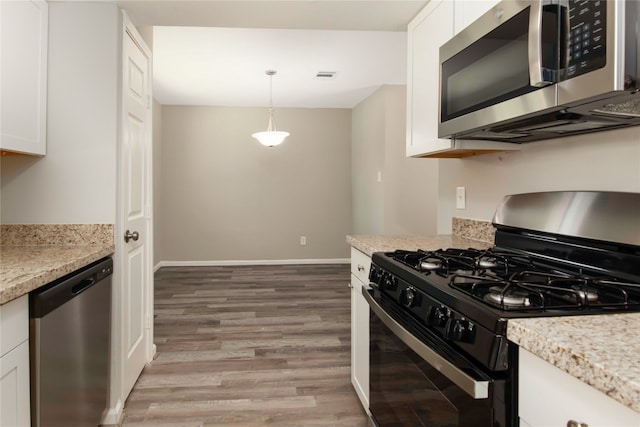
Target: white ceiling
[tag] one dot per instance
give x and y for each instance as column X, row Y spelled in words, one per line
column 216, row 52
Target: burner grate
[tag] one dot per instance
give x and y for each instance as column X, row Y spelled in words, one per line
column 550, row 291
column 448, row 261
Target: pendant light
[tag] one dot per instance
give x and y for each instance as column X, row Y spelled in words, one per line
column 271, row 137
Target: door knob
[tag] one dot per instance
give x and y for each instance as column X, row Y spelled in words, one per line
column 131, row 236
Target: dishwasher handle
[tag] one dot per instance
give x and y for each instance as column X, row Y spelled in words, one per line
column 52, row 295
column 85, row 284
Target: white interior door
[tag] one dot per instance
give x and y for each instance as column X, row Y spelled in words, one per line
column 135, row 201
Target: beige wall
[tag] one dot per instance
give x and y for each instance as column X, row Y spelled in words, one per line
column 601, row 161
column 368, row 138
column 226, row 197
column 405, row 201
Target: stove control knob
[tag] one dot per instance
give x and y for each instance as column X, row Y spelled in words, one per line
column 410, row 297
column 460, row 330
column 439, row 316
column 374, row 274
column 389, row 282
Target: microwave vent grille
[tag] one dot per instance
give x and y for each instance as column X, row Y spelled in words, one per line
column 629, row 108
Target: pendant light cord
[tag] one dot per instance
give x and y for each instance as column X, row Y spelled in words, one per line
column 272, row 124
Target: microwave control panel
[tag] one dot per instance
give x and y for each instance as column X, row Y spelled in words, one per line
column 586, row 36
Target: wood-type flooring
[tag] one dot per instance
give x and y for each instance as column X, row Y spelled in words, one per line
column 249, row 346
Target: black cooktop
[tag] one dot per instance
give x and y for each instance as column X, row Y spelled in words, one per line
column 514, row 282
column 493, row 285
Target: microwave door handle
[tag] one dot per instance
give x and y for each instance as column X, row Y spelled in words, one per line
column 535, row 46
column 474, row 388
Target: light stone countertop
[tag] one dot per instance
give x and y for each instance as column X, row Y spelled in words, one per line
column 32, row 255
column 602, row 351
column 25, row 268
column 368, row 244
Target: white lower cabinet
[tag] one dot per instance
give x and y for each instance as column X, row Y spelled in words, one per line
column 360, row 264
column 14, row 363
column 549, row 397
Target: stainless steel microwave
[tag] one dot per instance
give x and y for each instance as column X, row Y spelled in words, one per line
column 529, row 70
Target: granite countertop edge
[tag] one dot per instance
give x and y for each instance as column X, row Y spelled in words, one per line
column 368, row 244
column 595, row 358
column 26, row 268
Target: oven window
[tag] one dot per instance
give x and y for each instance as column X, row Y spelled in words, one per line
column 407, row 391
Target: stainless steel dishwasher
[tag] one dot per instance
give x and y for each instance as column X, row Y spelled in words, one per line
column 69, row 339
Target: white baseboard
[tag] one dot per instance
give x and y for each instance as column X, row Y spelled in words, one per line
column 249, row 262
column 113, row 416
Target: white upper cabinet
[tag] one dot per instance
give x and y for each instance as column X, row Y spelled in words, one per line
column 23, row 74
column 430, row 29
column 467, row 11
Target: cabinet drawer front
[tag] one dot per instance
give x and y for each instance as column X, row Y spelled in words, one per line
column 14, row 324
column 360, row 264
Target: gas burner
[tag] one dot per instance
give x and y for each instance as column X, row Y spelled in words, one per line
column 574, row 292
column 506, row 297
column 590, row 294
column 430, row 263
column 487, row 261
column 410, row 258
column 441, row 261
column 502, row 263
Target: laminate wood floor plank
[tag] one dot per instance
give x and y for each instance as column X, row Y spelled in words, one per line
column 250, row 346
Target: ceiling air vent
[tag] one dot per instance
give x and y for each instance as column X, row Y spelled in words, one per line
column 325, row 75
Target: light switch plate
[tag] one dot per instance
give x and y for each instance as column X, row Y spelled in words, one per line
column 461, row 198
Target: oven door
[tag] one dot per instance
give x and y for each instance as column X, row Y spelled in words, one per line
column 500, row 67
column 423, row 381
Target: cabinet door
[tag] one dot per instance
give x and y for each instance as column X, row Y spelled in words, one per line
column 14, row 362
column 467, row 11
column 359, row 342
column 426, row 33
column 23, row 104
column 549, row 396
column 360, row 265
column 14, row 387
column 14, row 324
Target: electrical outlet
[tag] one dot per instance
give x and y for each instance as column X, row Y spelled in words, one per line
column 461, row 198
column 303, row 240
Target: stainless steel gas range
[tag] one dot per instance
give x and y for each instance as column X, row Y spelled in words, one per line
column 439, row 355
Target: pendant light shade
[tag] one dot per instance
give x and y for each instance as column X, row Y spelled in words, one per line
column 271, row 137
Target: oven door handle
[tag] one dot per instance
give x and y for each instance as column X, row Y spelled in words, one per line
column 475, row 389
